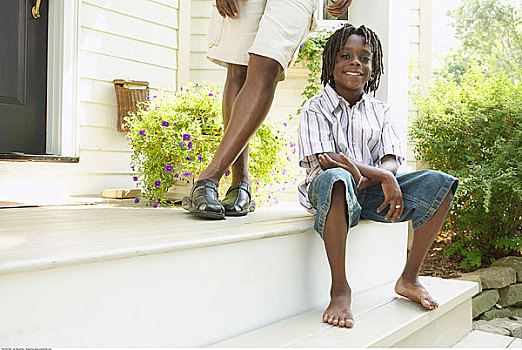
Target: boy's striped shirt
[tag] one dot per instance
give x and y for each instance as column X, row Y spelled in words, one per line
column 364, row 132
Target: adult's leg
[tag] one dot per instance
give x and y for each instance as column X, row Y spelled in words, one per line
column 247, row 114
column 408, row 284
column 236, row 76
column 335, row 233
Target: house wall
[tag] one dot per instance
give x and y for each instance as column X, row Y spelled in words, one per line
column 164, row 42
column 135, row 40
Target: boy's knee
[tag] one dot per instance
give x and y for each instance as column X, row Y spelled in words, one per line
column 336, row 174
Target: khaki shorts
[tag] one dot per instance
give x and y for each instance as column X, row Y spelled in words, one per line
column 268, row 28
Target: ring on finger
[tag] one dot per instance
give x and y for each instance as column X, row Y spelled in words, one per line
column 398, row 206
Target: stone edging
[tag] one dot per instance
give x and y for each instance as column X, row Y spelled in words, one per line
column 497, row 307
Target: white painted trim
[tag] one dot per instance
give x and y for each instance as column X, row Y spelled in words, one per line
column 62, row 77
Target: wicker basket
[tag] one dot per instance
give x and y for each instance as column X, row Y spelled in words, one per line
column 128, row 94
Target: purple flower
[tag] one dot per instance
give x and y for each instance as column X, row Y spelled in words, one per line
column 181, row 88
column 189, row 145
column 186, row 137
column 154, row 96
column 302, row 46
column 187, row 174
column 168, row 168
column 181, row 144
column 136, row 200
column 148, row 98
column 135, row 178
column 157, row 183
column 142, row 132
column 132, row 167
column 200, row 158
column 227, row 173
column 211, row 94
column 146, row 108
column 257, row 188
column 176, row 176
column 257, row 181
column 165, row 124
column 155, row 205
column 197, row 84
column 288, row 158
column 293, row 151
column 285, row 171
column 188, row 158
column 284, row 124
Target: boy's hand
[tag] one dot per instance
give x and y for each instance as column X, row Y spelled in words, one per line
column 328, row 163
column 392, row 197
column 228, row 8
column 337, row 9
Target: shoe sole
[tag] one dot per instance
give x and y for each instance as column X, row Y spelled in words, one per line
column 251, row 208
column 187, row 205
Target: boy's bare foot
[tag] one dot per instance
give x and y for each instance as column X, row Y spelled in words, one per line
column 339, row 312
column 415, row 291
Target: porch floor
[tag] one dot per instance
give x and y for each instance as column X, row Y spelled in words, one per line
column 51, row 236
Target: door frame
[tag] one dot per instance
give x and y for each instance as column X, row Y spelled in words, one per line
column 62, row 78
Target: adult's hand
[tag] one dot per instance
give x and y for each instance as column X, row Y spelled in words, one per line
column 392, row 197
column 338, row 8
column 228, row 8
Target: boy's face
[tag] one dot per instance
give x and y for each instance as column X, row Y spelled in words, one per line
column 353, row 66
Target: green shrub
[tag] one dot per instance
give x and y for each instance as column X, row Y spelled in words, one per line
column 174, row 136
column 473, row 130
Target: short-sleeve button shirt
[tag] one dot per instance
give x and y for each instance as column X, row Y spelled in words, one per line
column 364, row 132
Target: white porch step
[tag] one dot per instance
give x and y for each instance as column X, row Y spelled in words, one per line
column 479, row 339
column 108, row 276
column 382, row 319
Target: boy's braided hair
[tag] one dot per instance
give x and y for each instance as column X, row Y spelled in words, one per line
column 337, row 40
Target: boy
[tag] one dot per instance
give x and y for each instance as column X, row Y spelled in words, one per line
column 351, row 151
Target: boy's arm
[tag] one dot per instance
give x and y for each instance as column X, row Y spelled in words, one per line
column 372, row 175
column 366, row 175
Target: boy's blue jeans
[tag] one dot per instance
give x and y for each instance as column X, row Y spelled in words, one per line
column 422, row 191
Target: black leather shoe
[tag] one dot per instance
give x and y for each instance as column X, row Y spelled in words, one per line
column 238, row 197
column 207, row 195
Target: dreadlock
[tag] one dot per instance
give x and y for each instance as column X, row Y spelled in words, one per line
column 337, row 40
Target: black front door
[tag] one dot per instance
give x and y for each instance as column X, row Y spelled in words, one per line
column 23, row 76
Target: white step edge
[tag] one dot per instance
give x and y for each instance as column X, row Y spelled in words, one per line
column 382, row 319
column 48, row 237
column 480, row 339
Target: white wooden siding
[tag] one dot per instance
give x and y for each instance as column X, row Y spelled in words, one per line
column 135, row 40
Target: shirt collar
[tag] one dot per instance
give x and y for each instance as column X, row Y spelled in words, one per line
column 334, row 99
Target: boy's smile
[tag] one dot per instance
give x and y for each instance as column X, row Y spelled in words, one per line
column 353, row 68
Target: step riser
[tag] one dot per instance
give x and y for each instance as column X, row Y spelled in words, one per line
column 444, row 332
column 187, row 298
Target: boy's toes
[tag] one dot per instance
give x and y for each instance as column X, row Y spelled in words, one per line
column 335, row 321
column 330, row 319
column 342, row 322
column 349, row 323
